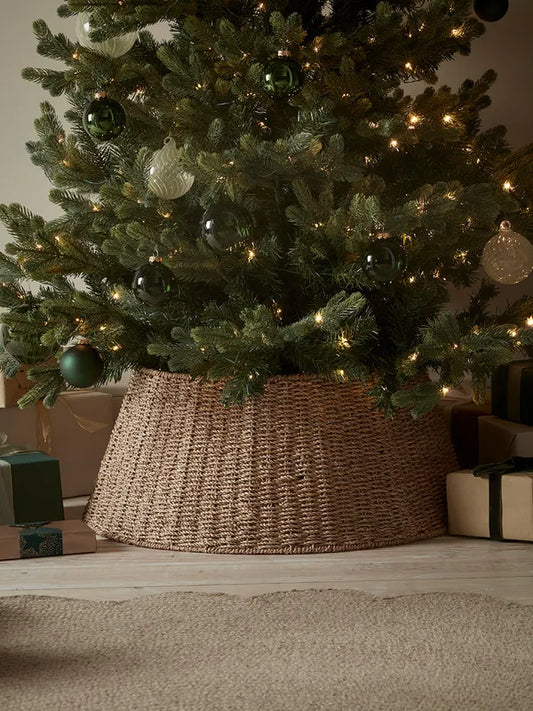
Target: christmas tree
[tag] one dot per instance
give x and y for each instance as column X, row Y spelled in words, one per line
column 258, row 196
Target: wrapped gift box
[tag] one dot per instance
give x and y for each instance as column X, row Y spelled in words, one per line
column 477, row 508
column 512, row 392
column 48, row 538
column 75, row 431
column 80, row 426
column 30, row 488
column 12, row 389
column 500, row 439
column 462, row 416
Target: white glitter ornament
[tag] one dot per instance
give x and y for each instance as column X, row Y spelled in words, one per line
column 167, row 179
column 113, row 47
column 508, row 256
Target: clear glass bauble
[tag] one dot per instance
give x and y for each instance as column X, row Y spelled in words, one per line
column 167, row 179
column 385, row 260
column 113, row 47
column 225, row 225
column 508, row 256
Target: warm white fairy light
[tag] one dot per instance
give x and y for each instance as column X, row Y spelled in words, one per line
column 412, row 279
column 319, row 318
column 529, row 321
column 409, row 66
column 251, row 255
column 115, row 348
column 508, row 186
column 115, row 296
column 393, row 143
column 76, row 55
column 445, row 390
column 103, row 328
column 457, row 32
column 447, row 119
column 39, row 246
column 343, row 342
column 413, row 357
column 414, row 119
column 511, row 332
column 96, row 207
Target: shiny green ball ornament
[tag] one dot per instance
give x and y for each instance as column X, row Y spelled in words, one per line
column 282, row 76
column 104, row 118
column 153, row 283
column 385, row 260
column 81, row 366
column 225, row 225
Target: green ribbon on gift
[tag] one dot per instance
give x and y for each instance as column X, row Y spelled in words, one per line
column 495, row 472
column 36, row 540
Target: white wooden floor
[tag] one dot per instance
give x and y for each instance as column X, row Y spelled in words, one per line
column 121, row 572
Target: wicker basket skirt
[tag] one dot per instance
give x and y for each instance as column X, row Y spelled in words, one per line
column 309, row 467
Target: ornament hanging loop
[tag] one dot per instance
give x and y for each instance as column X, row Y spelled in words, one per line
column 505, row 225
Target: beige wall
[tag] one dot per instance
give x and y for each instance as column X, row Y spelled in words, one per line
column 505, row 47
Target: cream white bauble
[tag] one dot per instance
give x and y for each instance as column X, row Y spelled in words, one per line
column 113, row 47
column 508, row 257
column 167, row 179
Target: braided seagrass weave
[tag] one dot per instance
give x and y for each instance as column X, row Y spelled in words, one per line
column 310, row 467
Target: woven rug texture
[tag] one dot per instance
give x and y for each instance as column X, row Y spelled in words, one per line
column 299, row 650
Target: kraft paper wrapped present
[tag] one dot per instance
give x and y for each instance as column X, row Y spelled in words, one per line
column 512, row 392
column 76, row 431
column 493, row 505
column 30, row 488
column 12, row 389
column 46, row 538
column 500, row 439
column 80, row 424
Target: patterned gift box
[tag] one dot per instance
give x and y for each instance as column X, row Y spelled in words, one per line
column 512, row 392
column 30, row 488
column 496, row 505
column 46, row 538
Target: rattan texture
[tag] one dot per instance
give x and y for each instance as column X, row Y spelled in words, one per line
column 309, row 467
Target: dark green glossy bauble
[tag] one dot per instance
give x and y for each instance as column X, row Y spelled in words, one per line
column 282, row 77
column 225, row 225
column 491, row 10
column 81, row 366
column 104, row 119
column 384, row 260
column 153, row 283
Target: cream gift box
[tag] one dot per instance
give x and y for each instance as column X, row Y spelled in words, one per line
column 501, row 509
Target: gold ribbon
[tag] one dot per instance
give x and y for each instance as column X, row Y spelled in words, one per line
column 44, row 425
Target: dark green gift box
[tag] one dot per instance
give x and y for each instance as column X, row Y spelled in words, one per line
column 512, row 392
column 30, row 488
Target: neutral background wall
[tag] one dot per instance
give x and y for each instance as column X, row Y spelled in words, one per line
column 505, row 47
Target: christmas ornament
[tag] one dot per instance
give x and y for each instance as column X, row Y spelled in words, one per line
column 153, row 283
column 113, row 47
column 490, row 10
column 225, row 225
column 385, row 259
column 104, row 118
column 167, row 180
column 508, row 257
column 282, row 76
column 81, row 366
column 26, row 348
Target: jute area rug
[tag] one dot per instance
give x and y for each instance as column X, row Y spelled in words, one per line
column 300, row 650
